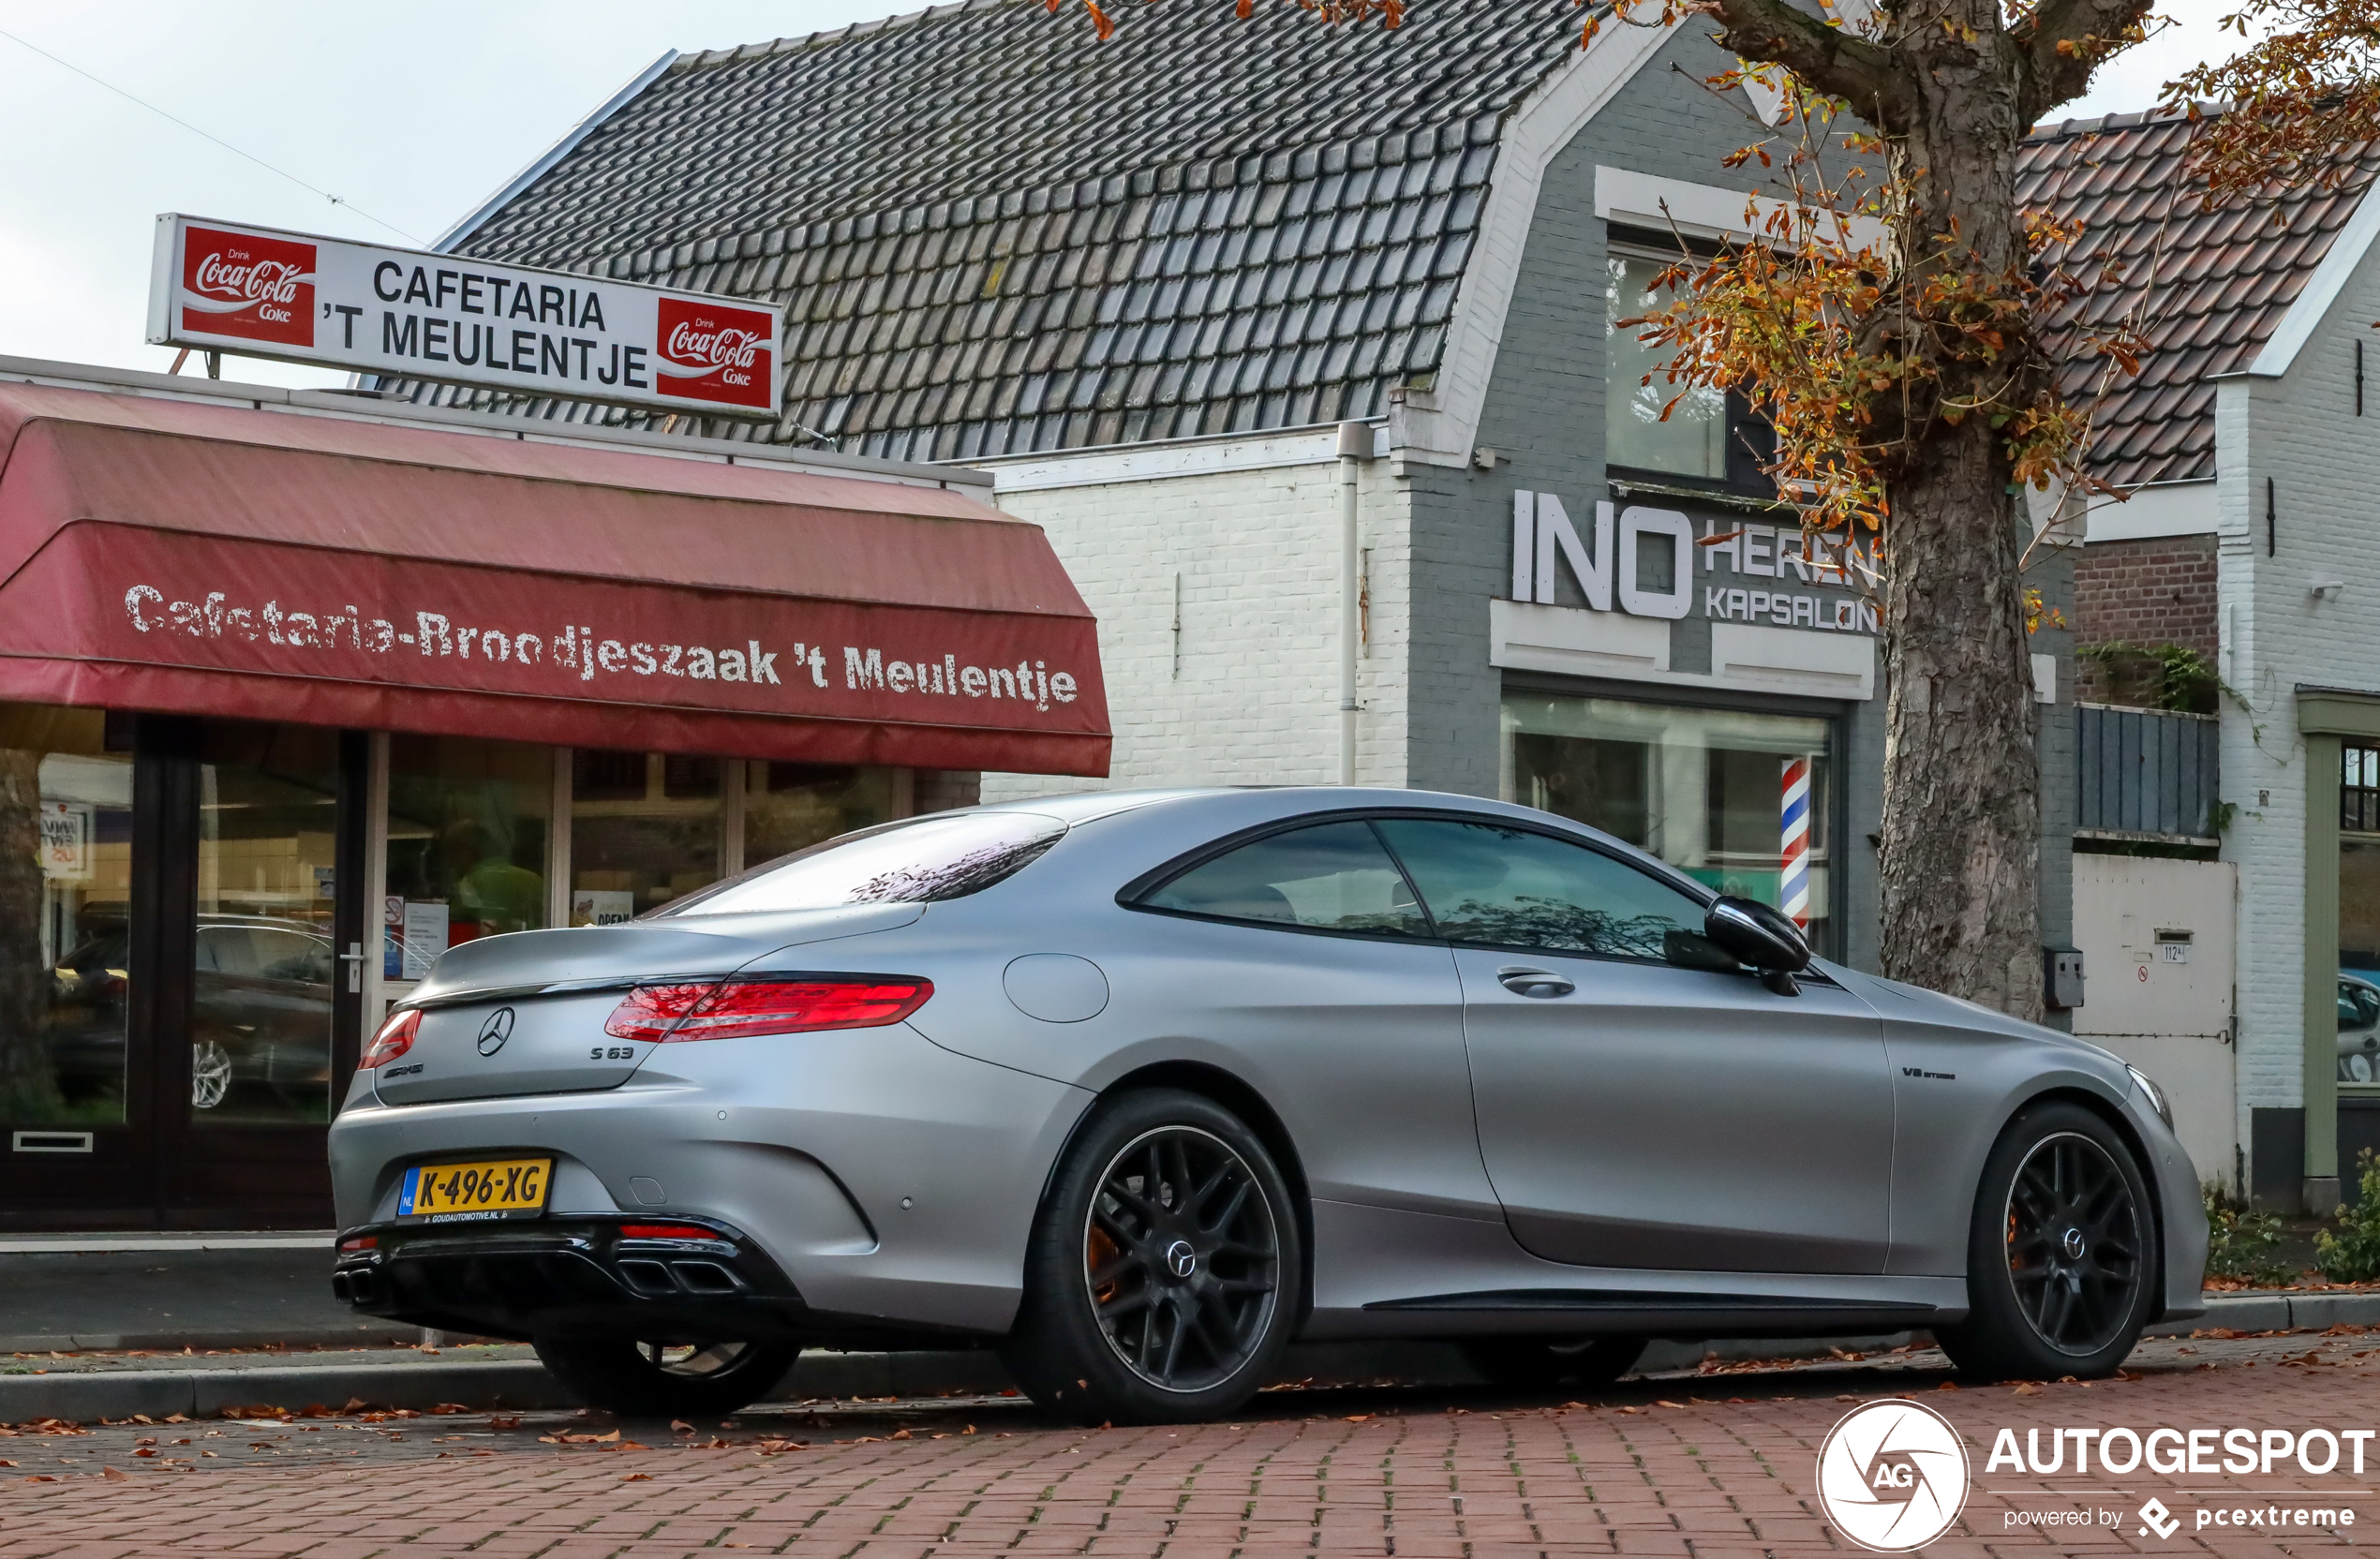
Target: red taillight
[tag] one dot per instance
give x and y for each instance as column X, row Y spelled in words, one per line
column 743, row 1007
column 666, row 1231
column 394, row 1039
column 367, row 1243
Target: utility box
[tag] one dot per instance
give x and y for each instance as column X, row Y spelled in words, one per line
column 2065, row 978
column 2158, row 933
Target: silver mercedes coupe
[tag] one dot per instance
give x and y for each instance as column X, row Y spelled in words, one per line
column 1139, row 1087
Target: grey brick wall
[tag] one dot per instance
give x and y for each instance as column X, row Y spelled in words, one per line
column 1543, row 416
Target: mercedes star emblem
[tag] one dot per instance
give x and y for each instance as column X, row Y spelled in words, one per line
column 496, row 1031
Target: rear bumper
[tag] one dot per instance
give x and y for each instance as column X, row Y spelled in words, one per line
column 885, row 1178
column 567, row 1277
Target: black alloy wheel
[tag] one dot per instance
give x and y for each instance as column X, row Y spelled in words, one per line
column 1181, row 1258
column 1165, row 1270
column 2063, row 1260
column 650, row 1379
column 2075, row 1250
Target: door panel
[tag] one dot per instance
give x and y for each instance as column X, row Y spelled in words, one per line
column 1679, row 1118
column 1633, row 1112
column 1355, row 1039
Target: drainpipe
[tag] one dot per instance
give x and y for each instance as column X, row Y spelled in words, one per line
column 1355, row 446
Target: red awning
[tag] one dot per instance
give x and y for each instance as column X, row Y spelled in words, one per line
column 167, row 555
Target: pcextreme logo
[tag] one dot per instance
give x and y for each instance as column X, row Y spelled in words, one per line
column 1893, row 1476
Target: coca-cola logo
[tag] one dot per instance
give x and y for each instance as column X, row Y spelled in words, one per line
column 710, row 352
column 247, row 286
column 263, row 281
column 712, row 349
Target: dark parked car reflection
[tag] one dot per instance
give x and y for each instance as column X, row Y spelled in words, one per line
column 261, row 1019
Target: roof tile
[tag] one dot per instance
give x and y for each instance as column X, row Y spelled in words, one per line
column 1045, row 178
column 2205, row 287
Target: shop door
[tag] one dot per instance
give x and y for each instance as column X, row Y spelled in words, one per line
column 177, row 1013
column 257, row 949
column 78, row 1133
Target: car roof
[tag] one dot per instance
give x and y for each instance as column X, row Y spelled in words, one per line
column 1261, row 804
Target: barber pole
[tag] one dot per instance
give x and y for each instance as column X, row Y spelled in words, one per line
column 1794, row 887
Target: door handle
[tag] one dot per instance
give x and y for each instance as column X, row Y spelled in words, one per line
column 1534, row 982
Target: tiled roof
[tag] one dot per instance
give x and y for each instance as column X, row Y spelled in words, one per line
column 2209, row 287
column 994, row 234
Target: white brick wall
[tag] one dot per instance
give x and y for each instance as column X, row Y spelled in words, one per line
column 2302, row 432
column 1256, row 697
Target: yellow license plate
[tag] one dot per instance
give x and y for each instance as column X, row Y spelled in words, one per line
column 488, row 1189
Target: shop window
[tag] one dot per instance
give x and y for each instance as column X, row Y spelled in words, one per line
column 467, row 825
column 2359, row 918
column 66, row 875
column 1702, row 789
column 790, row 807
column 263, row 963
column 644, row 828
column 1692, row 439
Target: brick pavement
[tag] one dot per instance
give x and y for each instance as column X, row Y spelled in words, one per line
column 1710, row 1467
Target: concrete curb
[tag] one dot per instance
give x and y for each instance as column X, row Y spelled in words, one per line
column 84, row 1398
column 389, row 1336
column 523, row 1385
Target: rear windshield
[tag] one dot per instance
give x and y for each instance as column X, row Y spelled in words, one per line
column 916, row 861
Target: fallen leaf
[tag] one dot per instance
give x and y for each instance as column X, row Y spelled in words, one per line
column 1358, row 1417
column 638, row 1477
column 2027, row 1388
column 114, row 1476
column 41, row 1477
column 500, row 1422
column 682, row 1426
column 1947, row 1386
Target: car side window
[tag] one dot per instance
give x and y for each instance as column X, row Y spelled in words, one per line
column 1330, row 877
column 2358, row 1005
column 292, row 955
column 1494, row 885
column 226, row 950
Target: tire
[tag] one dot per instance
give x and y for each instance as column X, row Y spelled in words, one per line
column 1161, row 1305
column 1546, row 1363
column 2063, row 1255
column 656, row 1380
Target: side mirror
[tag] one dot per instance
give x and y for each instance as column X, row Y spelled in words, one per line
column 1760, row 936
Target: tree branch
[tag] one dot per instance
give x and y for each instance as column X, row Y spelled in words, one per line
column 2091, row 30
column 1825, row 58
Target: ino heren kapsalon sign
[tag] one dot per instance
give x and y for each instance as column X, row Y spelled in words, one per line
column 220, row 287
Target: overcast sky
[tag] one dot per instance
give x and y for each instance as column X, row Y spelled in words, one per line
column 413, row 112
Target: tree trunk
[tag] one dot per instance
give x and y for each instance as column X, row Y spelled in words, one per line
column 28, row 1078
column 1961, row 840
